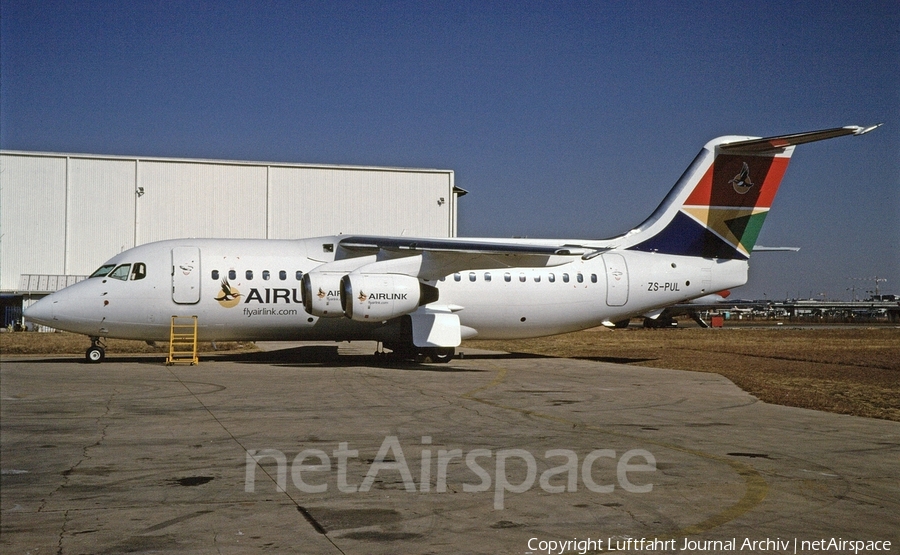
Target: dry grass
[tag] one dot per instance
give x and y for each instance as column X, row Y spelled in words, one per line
column 844, row 370
column 62, row 343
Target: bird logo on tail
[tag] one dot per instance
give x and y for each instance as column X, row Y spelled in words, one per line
column 741, row 182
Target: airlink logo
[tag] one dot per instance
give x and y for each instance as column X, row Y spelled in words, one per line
column 271, row 296
column 230, row 297
column 383, row 297
column 331, row 295
column 741, row 182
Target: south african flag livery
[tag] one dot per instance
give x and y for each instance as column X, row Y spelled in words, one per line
column 722, row 216
column 717, row 208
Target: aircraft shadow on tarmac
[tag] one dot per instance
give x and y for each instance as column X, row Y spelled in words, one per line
column 518, row 355
column 616, row 360
column 325, row 356
column 328, row 357
column 152, row 359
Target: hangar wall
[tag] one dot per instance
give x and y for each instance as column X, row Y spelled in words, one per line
column 64, row 214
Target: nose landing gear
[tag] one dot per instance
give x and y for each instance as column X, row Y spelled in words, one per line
column 96, row 352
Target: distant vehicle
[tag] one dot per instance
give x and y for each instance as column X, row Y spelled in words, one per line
column 421, row 296
column 693, row 308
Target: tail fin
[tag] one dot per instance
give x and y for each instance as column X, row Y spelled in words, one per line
column 717, row 208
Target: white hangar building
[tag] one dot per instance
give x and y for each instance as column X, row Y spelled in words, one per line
column 62, row 215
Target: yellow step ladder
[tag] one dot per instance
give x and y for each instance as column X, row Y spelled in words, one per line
column 183, row 341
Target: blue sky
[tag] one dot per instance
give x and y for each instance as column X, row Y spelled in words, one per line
column 562, row 119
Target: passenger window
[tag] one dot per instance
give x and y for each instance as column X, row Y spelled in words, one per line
column 299, row 275
column 565, row 278
column 266, row 275
column 551, row 278
column 457, row 277
column 593, row 278
column 471, row 276
column 487, row 276
column 327, row 247
column 522, row 278
column 282, row 275
column 537, row 278
column 139, row 271
column 103, row 271
column 249, row 274
column 579, row 277
column 507, row 277
column 232, row 274
column 215, row 274
column 121, row 272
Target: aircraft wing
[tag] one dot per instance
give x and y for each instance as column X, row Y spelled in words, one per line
column 432, row 258
column 469, row 246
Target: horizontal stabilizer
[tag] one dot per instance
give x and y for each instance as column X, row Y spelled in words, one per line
column 760, row 248
column 777, row 143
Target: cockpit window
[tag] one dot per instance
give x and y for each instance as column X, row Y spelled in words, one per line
column 121, row 272
column 103, row 271
column 139, row 271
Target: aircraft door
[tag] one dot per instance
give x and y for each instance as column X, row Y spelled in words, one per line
column 186, row 275
column 616, row 279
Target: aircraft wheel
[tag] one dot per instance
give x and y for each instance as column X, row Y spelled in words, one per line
column 95, row 354
column 441, row 355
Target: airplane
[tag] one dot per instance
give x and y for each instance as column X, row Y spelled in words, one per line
column 420, row 297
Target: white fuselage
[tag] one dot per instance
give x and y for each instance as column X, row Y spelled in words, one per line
column 263, row 301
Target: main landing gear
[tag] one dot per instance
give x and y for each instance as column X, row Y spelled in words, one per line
column 440, row 355
column 96, row 352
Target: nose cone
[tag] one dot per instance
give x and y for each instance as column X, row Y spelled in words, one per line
column 63, row 310
column 42, row 311
column 78, row 308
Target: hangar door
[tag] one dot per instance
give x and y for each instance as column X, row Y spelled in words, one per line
column 616, row 279
column 186, row 275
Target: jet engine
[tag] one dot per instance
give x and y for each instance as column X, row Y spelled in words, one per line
column 321, row 294
column 368, row 297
